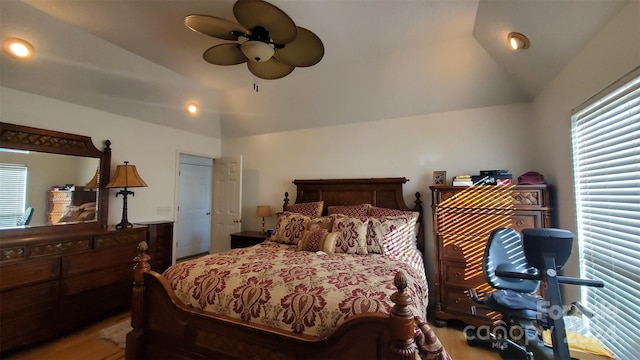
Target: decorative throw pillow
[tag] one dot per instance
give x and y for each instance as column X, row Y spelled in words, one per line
column 349, row 210
column 351, row 235
column 312, row 240
column 325, row 222
column 381, row 226
column 312, row 209
column 289, row 228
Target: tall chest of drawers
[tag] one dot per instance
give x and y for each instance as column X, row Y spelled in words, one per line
column 463, row 218
column 58, row 202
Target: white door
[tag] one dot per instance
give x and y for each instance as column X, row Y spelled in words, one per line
column 193, row 226
column 227, row 200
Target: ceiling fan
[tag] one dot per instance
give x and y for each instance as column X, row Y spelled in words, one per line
column 266, row 39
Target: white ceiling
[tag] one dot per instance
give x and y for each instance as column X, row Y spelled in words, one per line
column 383, row 59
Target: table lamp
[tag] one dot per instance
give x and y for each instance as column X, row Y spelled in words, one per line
column 126, row 177
column 263, row 211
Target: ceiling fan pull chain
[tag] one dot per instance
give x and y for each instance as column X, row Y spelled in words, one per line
column 255, row 84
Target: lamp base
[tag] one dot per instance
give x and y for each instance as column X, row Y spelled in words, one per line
column 124, row 223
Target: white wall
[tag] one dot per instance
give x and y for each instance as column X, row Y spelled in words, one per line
column 152, row 148
column 460, row 142
column 609, row 55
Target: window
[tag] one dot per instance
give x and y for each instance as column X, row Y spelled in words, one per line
column 606, row 161
column 13, row 178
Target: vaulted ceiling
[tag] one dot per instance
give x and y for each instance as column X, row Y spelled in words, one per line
column 384, row 59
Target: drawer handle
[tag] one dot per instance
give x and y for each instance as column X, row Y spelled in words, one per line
column 518, row 198
column 456, row 248
column 520, row 223
column 457, row 301
column 455, row 221
column 458, row 274
column 453, row 197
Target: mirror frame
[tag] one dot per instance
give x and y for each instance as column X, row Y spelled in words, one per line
column 21, row 137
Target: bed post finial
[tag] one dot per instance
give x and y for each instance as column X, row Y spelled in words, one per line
column 285, row 201
column 135, row 346
column 401, row 321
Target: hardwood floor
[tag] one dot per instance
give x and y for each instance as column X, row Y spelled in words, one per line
column 84, row 344
column 87, row 345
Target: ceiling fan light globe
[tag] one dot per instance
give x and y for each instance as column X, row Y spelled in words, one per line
column 257, row 51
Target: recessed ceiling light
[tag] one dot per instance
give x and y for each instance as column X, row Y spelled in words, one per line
column 18, row 48
column 518, row 41
column 192, row 108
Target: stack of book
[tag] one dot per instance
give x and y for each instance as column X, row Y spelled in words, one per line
column 462, row 180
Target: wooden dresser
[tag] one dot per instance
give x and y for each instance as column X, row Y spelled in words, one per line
column 463, row 218
column 51, row 283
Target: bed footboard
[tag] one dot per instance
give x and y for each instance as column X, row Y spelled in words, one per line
column 164, row 328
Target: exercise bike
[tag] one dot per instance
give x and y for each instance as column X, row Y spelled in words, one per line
column 516, row 266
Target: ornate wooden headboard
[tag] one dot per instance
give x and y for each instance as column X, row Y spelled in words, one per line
column 381, row 192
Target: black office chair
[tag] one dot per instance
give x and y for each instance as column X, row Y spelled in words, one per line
column 25, row 219
column 516, row 267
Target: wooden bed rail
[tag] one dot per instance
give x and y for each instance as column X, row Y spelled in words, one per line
column 398, row 343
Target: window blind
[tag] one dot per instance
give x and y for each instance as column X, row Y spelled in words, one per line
column 13, row 178
column 606, row 161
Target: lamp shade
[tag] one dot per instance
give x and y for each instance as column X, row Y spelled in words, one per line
column 263, row 211
column 94, row 183
column 126, row 176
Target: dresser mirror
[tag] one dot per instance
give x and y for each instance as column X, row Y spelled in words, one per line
column 61, row 173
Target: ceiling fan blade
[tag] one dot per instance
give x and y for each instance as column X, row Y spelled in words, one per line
column 306, row 50
column 270, row 70
column 214, row 26
column 252, row 13
column 224, row 54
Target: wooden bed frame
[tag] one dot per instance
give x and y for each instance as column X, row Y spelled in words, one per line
column 165, row 328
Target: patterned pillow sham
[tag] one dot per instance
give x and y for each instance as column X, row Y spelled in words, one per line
column 413, row 216
column 311, row 209
column 381, row 226
column 401, row 239
column 289, row 228
column 351, row 235
column 380, row 211
column 349, row 210
column 318, row 240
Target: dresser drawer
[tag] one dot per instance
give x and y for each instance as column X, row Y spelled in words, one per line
column 528, row 198
column 98, row 259
column 526, row 220
column 468, row 276
column 476, row 197
column 121, row 237
column 458, row 301
column 29, row 272
column 43, row 297
column 478, row 223
column 59, row 247
column 492, row 197
column 462, row 247
column 122, row 274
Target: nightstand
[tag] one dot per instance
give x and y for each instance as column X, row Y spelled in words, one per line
column 247, row 238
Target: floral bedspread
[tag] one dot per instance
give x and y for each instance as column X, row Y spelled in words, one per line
column 300, row 291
